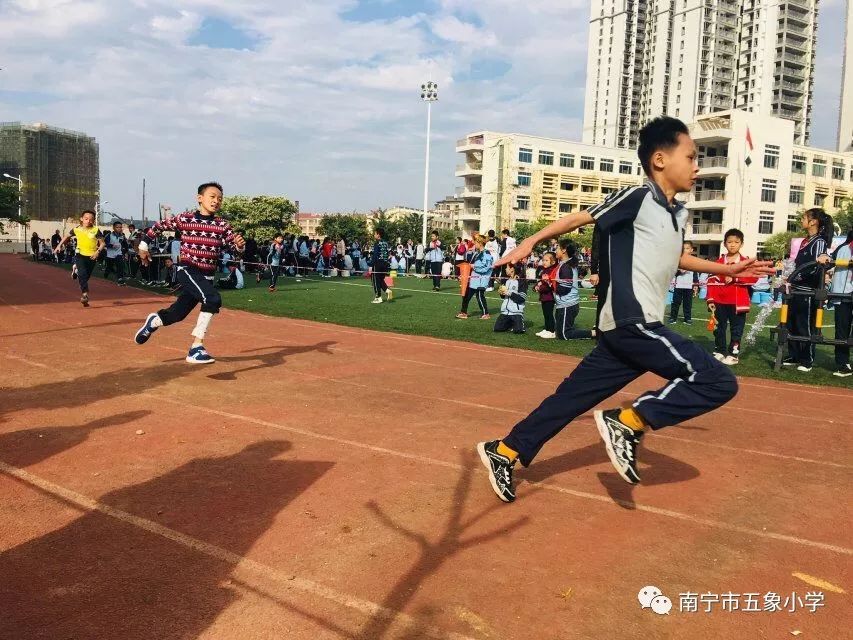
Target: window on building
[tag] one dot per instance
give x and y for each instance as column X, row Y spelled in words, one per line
column 567, row 186
column 765, row 222
column 525, row 155
column 567, row 160
column 565, row 207
column 588, row 163
column 546, row 157
column 771, row 156
column 794, row 222
column 768, row 190
column 522, row 202
column 819, row 199
column 587, row 188
column 796, row 195
column 606, row 164
column 625, row 168
column 523, row 178
column 819, row 167
column 606, row 191
column 838, row 201
column 837, row 170
column 798, row 164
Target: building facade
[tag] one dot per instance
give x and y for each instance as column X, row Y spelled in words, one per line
column 59, row 168
column 308, row 223
column 693, row 57
column 760, row 189
column 512, row 177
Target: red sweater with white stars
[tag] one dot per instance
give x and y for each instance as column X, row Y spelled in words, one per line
column 202, row 238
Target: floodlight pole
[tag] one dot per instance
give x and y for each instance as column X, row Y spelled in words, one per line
column 429, row 94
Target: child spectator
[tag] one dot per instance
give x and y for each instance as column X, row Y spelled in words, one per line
column 274, row 260
column 686, row 286
column 842, row 284
column 494, row 248
column 514, row 294
column 380, row 266
column 802, row 310
column 481, row 269
column 435, row 258
column 728, row 300
column 567, row 297
column 544, row 287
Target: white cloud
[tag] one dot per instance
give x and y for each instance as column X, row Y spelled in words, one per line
column 324, row 110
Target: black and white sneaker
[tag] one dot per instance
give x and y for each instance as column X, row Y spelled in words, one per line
column 843, row 371
column 500, row 469
column 147, row 329
column 621, row 442
column 789, row 362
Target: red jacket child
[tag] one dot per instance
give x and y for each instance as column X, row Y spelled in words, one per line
column 725, row 290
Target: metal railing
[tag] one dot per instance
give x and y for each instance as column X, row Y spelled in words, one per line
column 472, row 166
column 709, row 194
column 467, row 142
column 714, row 161
column 706, row 228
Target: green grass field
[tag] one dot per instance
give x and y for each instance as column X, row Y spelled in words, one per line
column 417, row 310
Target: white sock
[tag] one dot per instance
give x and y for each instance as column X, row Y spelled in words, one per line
column 201, row 325
column 157, row 322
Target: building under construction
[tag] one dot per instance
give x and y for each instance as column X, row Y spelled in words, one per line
column 59, row 168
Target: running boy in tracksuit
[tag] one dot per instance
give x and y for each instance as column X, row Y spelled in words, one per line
column 204, row 236
column 642, row 229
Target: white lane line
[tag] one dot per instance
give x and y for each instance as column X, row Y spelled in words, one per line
column 442, row 463
column 365, row 607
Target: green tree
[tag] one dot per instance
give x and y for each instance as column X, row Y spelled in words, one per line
column 343, row 225
column 778, row 245
column 9, row 201
column 260, row 217
column 409, row 227
column 844, row 216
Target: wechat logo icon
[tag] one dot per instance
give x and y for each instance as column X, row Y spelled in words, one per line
column 652, row 598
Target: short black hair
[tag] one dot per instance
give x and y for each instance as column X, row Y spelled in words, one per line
column 380, row 232
column 506, row 231
column 690, row 242
column 85, row 211
column 660, row 133
column 206, row 185
column 737, row 233
column 115, row 222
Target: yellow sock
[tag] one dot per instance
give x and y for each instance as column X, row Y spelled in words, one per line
column 506, row 451
column 632, row 419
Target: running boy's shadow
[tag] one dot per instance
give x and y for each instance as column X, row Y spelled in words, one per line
column 655, row 468
column 436, row 548
column 30, row 446
column 102, row 577
column 271, row 359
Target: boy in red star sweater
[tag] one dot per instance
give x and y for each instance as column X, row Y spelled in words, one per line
column 728, row 299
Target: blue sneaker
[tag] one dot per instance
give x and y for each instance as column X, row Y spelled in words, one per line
column 199, row 355
column 147, row 329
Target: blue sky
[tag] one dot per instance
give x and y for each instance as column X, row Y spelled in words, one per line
column 317, row 101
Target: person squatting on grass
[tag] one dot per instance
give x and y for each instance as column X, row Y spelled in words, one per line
column 728, row 300
column 514, row 294
column 802, row 310
column 481, row 271
column 204, row 236
column 90, row 242
column 642, row 229
column 566, row 296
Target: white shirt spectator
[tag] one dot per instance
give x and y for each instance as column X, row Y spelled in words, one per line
column 510, row 245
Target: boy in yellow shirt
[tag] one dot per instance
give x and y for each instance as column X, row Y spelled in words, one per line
column 90, row 242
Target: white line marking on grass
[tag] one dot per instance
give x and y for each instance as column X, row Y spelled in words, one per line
column 365, row 607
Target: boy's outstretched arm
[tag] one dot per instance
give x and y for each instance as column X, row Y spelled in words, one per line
column 748, row 268
column 557, row 228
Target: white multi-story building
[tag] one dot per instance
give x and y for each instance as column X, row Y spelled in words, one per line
column 512, row 177
column 692, row 57
column 845, row 114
